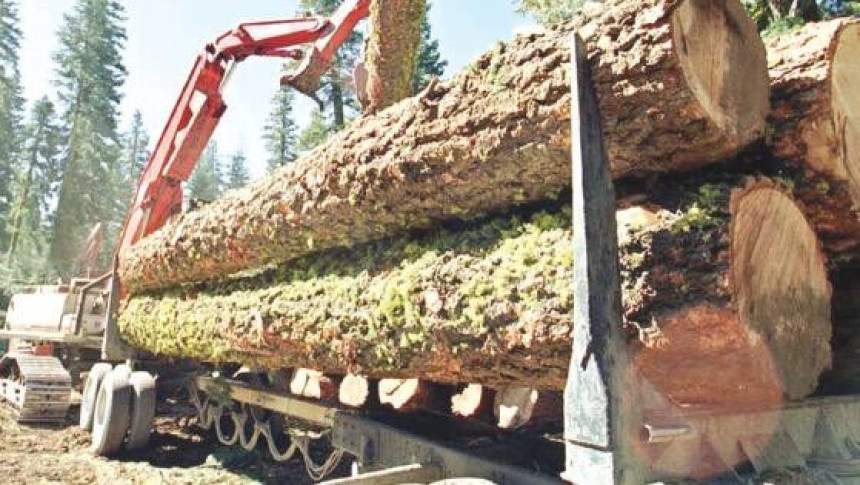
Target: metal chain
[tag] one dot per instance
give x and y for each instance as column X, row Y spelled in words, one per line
column 210, row 414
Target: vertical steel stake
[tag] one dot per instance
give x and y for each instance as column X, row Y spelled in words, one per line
column 600, row 414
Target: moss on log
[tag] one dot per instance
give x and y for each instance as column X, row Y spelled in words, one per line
column 392, row 50
column 709, row 280
column 681, row 83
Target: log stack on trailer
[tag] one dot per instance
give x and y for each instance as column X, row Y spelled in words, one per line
column 422, row 257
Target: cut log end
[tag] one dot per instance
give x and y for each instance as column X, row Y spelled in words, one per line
column 356, row 391
column 845, row 90
column 766, row 341
column 722, row 57
column 408, row 395
column 782, row 289
column 313, row 384
column 518, row 407
column 472, row 401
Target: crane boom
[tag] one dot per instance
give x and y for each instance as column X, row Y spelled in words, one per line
column 200, row 105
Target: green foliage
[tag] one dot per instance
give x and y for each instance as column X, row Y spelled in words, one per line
column 704, row 213
column 237, row 175
column 135, row 153
column 90, row 74
column 11, row 108
column 549, row 12
column 429, row 62
column 782, row 26
column 35, row 185
column 316, row 133
column 281, row 131
column 776, row 17
column 205, row 182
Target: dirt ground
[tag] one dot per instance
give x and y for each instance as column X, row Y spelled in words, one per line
column 177, row 455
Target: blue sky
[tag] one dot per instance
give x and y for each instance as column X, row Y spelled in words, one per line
column 164, row 36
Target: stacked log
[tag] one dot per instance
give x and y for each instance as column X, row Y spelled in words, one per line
column 425, row 247
column 681, row 84
column 816, row 124
column 726, row 275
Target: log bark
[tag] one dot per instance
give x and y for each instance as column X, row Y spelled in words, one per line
column 816, row 123
column 392, row 49
column 681, row 84
column 472, row 401
column 520, row 407
column 710, row 282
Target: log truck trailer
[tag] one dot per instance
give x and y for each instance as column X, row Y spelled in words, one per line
column 608, row 437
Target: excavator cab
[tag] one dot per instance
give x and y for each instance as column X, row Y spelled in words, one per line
column 51, row 333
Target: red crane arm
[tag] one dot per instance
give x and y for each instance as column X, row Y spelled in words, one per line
column 200, row 105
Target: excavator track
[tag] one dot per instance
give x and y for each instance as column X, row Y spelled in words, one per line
column 38, row 388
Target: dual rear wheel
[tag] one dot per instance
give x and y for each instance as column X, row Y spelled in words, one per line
column 118, row 406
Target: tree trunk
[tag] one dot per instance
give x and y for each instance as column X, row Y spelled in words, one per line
column 816, row 123
column 711, row 282
column 392, row 50
column 681, row 84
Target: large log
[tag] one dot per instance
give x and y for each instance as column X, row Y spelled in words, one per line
column 681, row 83
column 816, row 124
column 729, row 293
column 816, row 98
column 392, row 49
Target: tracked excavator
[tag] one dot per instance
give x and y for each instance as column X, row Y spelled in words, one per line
column 57, row 331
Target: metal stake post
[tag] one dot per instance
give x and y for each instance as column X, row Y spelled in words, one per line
column 600, row 415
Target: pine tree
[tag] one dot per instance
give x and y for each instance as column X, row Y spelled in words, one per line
column 281, row 131
column 135, row 153
column 549, row 12
column 237, row 172
column 429, row 61
column 35, row 184
column 11, row 107
column 205, row 182
column 90, row 73
column 315, row 133
column 335, row 84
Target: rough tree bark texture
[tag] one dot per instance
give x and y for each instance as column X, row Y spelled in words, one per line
column 816, row 122
column 392, row 50
column 680, row 84
column 709, row 282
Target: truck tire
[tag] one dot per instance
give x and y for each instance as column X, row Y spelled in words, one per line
column 91, row 390
column 142, row 409
column 111, row 418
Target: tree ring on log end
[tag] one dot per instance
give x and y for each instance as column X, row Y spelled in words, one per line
column 845, row 86
column 721, row 55
column 782, row 292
